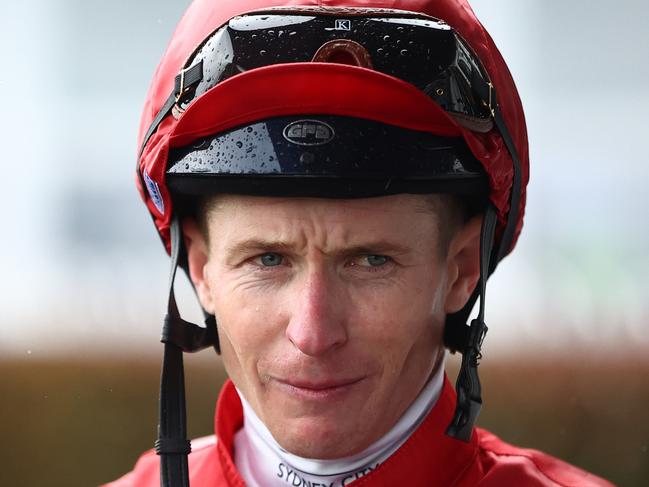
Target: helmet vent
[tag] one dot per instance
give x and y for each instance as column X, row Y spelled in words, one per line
column 343, row 51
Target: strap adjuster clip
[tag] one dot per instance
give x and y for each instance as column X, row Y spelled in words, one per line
column 489, row 104
column 187, row 79
column 181, row 89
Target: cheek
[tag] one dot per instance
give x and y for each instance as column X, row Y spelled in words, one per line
column 400, row 335
column 242, row 323
column 248, row 322
column 404, row 309
column 242, row 338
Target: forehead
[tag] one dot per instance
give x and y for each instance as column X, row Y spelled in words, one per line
column 226, row 207
column 386, row 216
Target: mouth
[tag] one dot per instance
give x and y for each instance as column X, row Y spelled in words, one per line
column 317, row 390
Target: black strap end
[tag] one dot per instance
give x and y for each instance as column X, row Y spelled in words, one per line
column 462, row 425
column 469, row 394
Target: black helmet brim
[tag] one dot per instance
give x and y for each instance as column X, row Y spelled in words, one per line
column 325, row 155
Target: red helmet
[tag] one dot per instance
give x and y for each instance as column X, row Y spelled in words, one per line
column 203, row 18
column 332, row 98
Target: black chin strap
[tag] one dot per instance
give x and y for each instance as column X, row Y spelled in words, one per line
column 178, row 336
column 468, row 339
column 469, row 394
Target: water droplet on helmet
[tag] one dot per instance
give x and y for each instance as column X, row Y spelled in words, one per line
column 307, row 158
column 404, row 52
column 239, row 145
column 380, row 50
column 386, row 38
column 262, row 52
column 292, row 33
column 248, row 129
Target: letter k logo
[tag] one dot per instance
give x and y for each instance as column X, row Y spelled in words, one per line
column 343, row 24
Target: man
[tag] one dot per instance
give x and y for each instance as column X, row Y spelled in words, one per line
column 339, row 179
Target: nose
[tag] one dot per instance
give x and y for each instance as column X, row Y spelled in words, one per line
column 317, row 323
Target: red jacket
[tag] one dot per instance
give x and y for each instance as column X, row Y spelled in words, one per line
column 428, row 458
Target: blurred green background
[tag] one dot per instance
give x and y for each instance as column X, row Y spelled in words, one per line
column 70, row 423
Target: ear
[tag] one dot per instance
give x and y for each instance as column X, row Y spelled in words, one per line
column 197, row 257
column 463, row 265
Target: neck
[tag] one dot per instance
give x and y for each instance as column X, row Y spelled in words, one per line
column 263, row 462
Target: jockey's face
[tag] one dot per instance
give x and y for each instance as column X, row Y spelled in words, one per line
column 330, row 312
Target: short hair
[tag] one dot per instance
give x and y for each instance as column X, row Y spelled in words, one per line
column 452, row 212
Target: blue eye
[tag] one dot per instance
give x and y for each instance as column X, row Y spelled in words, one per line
column 271, row 260
column 371, row 263
column 376, row 260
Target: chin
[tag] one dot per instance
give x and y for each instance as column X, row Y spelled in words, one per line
column 321, row 438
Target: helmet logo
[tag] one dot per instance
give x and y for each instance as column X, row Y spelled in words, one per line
column 309, row 132
column 154, row 192
column 343, row 24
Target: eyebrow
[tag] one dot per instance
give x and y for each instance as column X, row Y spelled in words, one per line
column 254, row 245
column 372, row 247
